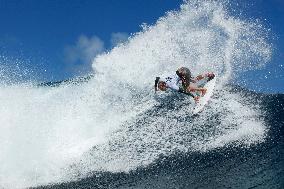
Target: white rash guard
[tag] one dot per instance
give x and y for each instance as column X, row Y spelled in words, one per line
column 172, row 82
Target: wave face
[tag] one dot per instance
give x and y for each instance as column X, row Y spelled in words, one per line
column 231, row 166
column 115, row 123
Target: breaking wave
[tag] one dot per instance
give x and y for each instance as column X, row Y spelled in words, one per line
column 115, row 122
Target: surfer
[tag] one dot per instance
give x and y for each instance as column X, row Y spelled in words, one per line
column 183, row 77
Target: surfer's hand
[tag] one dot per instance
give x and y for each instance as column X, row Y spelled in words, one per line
column 196, row 98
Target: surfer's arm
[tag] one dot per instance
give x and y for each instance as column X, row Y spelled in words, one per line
column 209, row 76
column 182, row 91
column 196, row 98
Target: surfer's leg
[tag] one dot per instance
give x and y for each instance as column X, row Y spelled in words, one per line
column 208, row 76
column 193, row 89
column 203, row 91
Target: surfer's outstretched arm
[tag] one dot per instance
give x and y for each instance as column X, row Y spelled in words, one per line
column 209, row 76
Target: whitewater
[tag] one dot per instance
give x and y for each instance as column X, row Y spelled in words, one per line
column 115, row 122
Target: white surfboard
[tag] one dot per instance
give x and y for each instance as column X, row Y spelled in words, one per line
column 204, row 99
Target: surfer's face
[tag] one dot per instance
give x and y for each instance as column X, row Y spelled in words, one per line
column 162, row 86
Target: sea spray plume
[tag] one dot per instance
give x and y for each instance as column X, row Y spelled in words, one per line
column 202, row 36
column 16, row 71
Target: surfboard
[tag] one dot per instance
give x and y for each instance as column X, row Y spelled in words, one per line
column 210, row 85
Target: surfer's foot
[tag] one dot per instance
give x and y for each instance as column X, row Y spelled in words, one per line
column 196, row 98
column 210, row 76
column 203, row 92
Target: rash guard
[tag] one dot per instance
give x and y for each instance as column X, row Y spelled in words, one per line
column 172, row 82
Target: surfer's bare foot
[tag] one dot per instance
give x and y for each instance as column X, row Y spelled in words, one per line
column 196, row 98
column 203, row 92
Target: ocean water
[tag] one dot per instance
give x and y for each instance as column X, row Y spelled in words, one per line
column 111, row 130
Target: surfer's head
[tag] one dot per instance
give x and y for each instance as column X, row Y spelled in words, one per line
column 161, row 85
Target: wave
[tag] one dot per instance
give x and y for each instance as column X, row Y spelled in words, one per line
column 235, row 166
column 115, row 123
